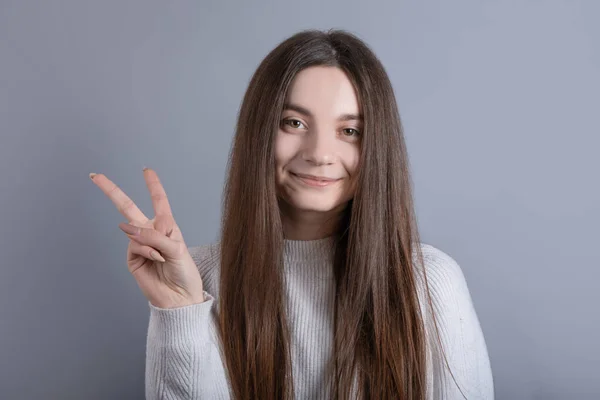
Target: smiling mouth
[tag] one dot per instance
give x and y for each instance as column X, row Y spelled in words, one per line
column 314, row 181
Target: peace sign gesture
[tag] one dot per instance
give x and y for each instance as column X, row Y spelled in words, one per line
column 157, row 255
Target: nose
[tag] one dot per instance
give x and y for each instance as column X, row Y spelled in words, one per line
column 319, row 148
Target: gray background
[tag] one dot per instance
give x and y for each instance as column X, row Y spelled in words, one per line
column 500, row 104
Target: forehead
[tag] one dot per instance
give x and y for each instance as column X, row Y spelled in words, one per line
column 324, row 91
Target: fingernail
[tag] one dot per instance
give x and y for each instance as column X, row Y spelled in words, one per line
column 157, row 256
column 92, row 175
column 145, row 168
column 131, row 229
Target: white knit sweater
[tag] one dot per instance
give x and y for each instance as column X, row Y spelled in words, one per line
column 183, row 360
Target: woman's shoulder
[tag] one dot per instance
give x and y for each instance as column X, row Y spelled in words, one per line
column 440, row 267
column 446, row 281
column 445, row 278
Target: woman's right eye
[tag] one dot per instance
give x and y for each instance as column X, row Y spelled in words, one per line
column 292, row 122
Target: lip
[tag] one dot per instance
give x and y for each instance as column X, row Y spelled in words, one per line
column 315, row 181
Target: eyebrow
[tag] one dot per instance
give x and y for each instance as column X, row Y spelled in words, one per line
column 305, row 111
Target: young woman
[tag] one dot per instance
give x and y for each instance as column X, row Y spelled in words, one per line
column 319, row 287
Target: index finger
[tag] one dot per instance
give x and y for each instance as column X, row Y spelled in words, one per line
column 124, row 204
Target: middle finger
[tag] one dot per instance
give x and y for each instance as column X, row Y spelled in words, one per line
column 160, row 202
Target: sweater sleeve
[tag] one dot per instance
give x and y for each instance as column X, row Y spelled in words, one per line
column 182, row 357
column 460, row 333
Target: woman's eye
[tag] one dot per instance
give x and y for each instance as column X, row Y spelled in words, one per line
column 351, row 132
column 293, row 123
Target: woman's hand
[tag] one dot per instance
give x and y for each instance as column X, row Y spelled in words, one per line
column 157, row 255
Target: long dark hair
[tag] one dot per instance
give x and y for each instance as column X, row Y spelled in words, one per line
column 379, row 328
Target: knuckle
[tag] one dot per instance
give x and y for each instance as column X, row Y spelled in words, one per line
column 112, row 189
column 157, row 196
column 148, row 233
column 126, row 205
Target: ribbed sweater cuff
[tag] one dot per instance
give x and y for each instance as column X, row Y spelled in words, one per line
column 182, row 323
column 177, row 340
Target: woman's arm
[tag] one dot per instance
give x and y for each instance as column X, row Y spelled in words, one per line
column 182, row 356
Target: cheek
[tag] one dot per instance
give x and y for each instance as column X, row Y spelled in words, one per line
column 285, row 149
column 351, row 157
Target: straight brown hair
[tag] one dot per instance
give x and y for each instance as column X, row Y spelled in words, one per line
column 380, row 336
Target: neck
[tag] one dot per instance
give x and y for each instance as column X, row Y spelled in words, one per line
column 309, row 225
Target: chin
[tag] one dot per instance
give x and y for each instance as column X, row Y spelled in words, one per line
column 315, row 203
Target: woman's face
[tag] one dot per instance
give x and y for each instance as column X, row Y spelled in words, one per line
column 318, row 143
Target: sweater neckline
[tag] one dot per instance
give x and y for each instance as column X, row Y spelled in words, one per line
column 309, row 250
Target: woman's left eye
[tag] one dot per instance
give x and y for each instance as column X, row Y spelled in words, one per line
column 353, row 132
